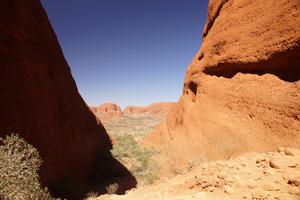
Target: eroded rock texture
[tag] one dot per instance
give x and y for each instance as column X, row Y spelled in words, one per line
column 40, row 101
column 242, row 89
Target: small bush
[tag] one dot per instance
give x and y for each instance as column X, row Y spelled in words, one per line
column 91, row 195
column 112, row 188
column 19, row 164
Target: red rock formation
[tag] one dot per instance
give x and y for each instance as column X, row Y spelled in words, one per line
column 39, row 98
column 160, row 109
column 109, row 108
column 129, row 110
column 242, row 90
column 107, row 111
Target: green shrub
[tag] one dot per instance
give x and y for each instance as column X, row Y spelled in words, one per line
column 19, row 164
column 136, row 158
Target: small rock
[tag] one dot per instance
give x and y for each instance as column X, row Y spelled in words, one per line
column 242, row 163
column 294, row 190
column 228, row 189
column 239, row 167
column 275, row 163
column 278, row 180
column 259, row 195
column 258, row 160
column 220, row 163
column 271, row 187
column 281, row 162
column 294, row 181
column 257, row 177
column 262, row 162
column 269, row 171
column 211, row 189
column 245, row 196
column 206, row 182
column 251, row 184
column 222, row 175
column 218, row 183
column 229, row 180
column 291, row 151
column 281, row 149
column 229, row 164
column 292, row 164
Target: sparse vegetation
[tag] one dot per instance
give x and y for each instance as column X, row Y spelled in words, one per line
column 19, row 164
column 112, row 188
column 138, row 126
column 91, row 194
column 128, row 131
column 136, row 158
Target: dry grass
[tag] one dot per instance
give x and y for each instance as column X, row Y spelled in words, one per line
column 128, row 131
column 137, row 159
column 138, row 126
column 19, row 164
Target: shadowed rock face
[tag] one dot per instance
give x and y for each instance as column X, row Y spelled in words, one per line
column 242, row 89
column 40, row 101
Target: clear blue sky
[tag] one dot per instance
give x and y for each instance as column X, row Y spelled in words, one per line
column 131, row 52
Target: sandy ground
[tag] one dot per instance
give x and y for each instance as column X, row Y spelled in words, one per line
column 256, row 176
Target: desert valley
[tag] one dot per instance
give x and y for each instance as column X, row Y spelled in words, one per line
column 233, row 134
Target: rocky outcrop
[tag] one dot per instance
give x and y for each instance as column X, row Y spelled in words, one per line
column 159, row 109
column 242, row 90
column 107, row 111
column 109, row 108
column 249, row 176
column 40, row 101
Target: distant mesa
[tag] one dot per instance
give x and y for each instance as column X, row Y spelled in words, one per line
column 158, row 109
column 109, row 108
column 109, row 111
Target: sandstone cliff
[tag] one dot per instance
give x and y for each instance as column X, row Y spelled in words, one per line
column 242, row 90
column 40, row 101
column 160, row 109
column 107, row 111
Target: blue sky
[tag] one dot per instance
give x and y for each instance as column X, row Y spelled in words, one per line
column 131, row 52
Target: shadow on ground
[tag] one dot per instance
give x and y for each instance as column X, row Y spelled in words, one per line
column 106, row 171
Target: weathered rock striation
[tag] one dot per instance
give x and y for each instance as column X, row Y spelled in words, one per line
column 40, row 101
column 242, row 90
